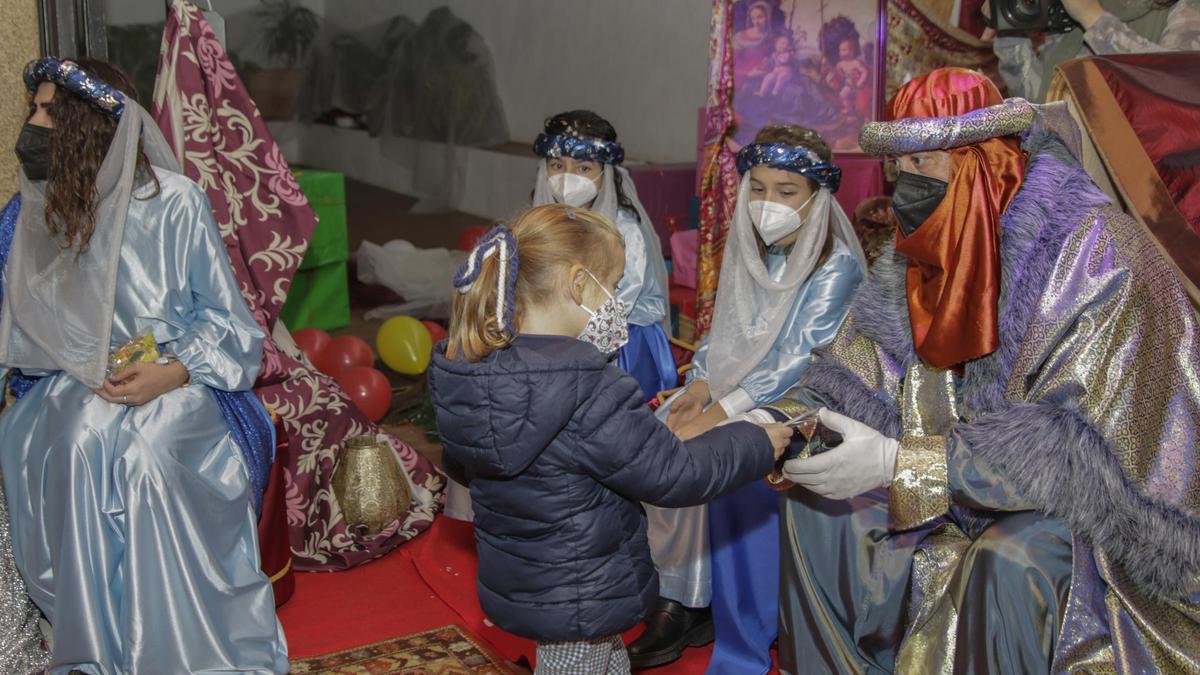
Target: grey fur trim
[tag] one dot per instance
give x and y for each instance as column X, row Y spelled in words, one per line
column 880, row 309
column 841, row 391
column 1056, row 458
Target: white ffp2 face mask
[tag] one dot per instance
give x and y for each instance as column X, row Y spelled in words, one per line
column 774, row 221
column 572, row 189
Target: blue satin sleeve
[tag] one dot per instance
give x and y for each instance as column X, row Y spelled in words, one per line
column 817, row 314
column 640, row 287
column 221, row 345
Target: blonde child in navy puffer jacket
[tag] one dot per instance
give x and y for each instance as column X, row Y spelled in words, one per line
column 556, row 444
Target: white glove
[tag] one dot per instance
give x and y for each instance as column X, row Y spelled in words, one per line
column 865, row 460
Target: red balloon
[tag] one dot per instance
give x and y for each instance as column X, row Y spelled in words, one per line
column 345, row 352
column 435, row 331
column 369, row 389
column 471, row 236
column 311, row 341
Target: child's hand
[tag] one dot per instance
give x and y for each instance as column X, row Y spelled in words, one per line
column 781, row 436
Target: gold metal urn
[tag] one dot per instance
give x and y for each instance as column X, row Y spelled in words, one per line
column 370, row 485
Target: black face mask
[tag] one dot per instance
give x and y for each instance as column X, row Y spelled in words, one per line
column 915, row 199
column 33, row 151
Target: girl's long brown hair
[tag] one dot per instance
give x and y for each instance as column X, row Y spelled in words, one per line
column 79, row 142
column 550, row 239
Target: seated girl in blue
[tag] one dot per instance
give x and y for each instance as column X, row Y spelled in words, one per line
column 582, row 168
column 132, row 494
column 556, row 444
column 792, row 262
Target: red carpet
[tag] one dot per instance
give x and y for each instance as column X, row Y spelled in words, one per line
column 383, row 599
column 427, row 583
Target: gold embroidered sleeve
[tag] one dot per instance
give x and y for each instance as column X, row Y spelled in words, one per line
column 920, row 488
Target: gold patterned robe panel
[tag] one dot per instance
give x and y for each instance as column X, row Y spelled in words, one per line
column 1113, row 336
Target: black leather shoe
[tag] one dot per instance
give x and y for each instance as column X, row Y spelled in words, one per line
column 670, row 629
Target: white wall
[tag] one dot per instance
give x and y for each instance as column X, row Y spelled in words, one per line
column 642, row 64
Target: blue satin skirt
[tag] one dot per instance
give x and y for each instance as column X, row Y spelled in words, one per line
column 647, row 357
column 135, row 530
column 743, row 531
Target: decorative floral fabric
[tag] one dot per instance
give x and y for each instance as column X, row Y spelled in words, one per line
column 921, row 38
column 719, row 185
column 223, row 144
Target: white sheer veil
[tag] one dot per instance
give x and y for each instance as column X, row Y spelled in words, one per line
column 58, row 303
column 751, row 308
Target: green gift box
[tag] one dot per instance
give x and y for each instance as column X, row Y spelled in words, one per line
column 326, row 192
column 319, row 298
column 320, row 292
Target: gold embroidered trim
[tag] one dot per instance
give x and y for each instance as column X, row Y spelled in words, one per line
column 920, row 489
column 789, row 408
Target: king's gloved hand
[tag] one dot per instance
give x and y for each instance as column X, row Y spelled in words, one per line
column 865, row 460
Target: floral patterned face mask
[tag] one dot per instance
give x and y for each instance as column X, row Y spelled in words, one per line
column 607, row 329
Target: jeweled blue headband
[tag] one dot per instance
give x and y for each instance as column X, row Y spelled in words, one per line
column 794, row 158
column 586, row 149
column 75, row 79
column 499, row 241
column 921, row 134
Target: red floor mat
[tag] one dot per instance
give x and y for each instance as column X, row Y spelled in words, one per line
column 426, row 583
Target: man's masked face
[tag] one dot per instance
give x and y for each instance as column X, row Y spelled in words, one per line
column 920, row 188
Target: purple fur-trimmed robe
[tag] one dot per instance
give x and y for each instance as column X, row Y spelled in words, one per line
column 1089, row 413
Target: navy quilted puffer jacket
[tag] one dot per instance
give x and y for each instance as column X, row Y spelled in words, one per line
column 559, row 449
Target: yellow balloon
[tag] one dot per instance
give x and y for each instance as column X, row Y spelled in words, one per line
column 404, row 345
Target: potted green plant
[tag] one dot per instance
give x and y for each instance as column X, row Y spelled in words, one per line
column 288, row 28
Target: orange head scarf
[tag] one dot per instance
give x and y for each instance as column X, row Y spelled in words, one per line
column 953, row 276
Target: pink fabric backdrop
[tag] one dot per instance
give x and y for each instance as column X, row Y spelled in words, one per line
column 223, row 144
column 862, row 177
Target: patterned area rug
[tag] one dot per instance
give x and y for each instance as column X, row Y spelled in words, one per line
column 442, row 651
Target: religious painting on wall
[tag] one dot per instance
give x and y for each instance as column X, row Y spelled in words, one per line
column 815, row 63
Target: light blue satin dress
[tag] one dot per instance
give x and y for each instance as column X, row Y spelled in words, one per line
column 647, row 356
column 134, row 527
column 679, row 539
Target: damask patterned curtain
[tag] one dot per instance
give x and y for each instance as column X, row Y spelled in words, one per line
column 921, row 37
column 719, row 182
column 223, row 144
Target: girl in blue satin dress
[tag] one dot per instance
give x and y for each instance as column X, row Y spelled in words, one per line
column 132, row 496
column 582, row 168
column 792, row 263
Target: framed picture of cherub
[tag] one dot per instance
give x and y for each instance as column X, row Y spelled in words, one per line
column 816, row 63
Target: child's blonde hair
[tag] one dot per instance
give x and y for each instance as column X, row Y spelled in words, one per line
column 548, row 239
